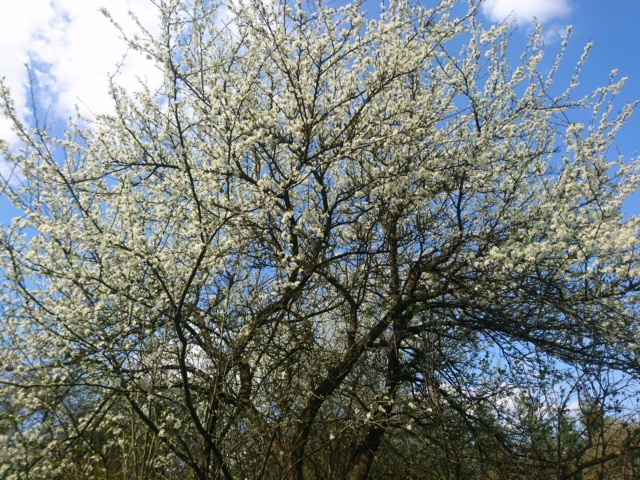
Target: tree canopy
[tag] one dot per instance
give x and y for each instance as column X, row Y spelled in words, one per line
column 330, row 245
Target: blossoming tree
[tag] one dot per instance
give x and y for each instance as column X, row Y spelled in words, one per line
column 325, row 237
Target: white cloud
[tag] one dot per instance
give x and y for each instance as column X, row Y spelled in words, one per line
column 71, row 48
column 17, row 26
column 523, row 11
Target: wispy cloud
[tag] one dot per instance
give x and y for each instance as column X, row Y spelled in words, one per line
column 524, row 11
column 71, row 49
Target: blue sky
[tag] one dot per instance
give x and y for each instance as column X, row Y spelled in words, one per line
column 611, row 26
column 72, row 48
